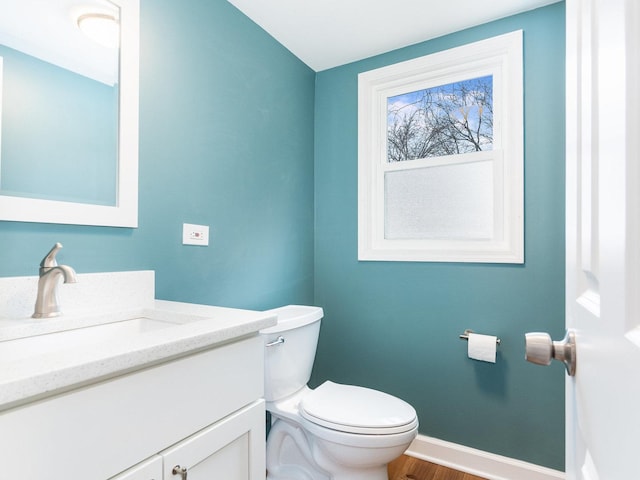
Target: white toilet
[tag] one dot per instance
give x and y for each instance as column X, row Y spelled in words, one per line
column 335, row 432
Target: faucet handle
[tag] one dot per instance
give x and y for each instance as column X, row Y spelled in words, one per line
column 50, row 258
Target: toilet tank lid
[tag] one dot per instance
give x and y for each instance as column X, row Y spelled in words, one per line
column 293, row 316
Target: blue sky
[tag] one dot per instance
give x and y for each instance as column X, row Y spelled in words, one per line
column 440, row 120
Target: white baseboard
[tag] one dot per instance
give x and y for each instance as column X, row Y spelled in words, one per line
column 477, row 462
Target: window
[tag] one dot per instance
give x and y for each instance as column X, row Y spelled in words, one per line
column 440, row 156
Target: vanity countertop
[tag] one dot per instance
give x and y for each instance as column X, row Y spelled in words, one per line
column 193, row 328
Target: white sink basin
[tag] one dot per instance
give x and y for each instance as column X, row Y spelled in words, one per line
column 26, row 347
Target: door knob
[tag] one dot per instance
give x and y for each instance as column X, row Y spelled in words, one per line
column 540, row 349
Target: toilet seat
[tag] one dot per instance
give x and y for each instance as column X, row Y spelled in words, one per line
column 351, row 409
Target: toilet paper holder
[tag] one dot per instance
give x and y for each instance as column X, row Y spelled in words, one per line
column 465, row 335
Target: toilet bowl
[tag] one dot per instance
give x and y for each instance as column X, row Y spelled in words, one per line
column 333, row 432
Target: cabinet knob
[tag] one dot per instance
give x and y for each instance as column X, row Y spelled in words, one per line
column 182, row 471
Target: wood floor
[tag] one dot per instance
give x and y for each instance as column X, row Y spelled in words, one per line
column 410, row 468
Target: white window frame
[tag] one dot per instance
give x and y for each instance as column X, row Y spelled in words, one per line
column 500, row 57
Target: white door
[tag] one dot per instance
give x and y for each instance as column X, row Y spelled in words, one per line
column 603, row 238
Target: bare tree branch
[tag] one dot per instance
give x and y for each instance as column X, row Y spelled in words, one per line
column 451, row 119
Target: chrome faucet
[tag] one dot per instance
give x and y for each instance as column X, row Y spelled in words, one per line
column 47, row 305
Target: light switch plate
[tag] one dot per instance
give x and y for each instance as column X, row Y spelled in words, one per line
column 195, row 234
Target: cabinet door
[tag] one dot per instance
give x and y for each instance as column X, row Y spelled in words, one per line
column 231, row 449
column 150, row 469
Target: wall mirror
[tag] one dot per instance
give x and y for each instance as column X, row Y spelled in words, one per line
column 69, row 112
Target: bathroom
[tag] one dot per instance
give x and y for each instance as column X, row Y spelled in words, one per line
column 238, row 134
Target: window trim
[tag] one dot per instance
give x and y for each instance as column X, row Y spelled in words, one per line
column 499, row 56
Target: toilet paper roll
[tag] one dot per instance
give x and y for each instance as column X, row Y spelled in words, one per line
column 482, row 347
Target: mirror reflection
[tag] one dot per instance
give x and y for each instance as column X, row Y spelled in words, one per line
column 59, row 102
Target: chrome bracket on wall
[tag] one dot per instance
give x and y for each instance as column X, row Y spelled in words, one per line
column 465, row 335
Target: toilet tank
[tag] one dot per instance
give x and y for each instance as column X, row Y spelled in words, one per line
column 290, row 349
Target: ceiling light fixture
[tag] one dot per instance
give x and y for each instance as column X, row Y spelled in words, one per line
column 102, row 28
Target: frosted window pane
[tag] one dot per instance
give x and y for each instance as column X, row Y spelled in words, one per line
column 443, row 202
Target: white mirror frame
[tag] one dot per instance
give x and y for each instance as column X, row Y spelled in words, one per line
column 125, row 212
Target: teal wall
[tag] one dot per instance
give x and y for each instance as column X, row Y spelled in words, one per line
column 226, row 140
column 228, row 126
column 394, row 326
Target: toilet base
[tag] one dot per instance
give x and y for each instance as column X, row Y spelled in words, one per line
column 294, row 454
column 289, row 454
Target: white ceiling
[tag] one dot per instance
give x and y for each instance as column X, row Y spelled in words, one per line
column 328, row 33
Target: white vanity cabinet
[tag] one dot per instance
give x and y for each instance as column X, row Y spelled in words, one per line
column 231, row 449
column 203, row 412
column 222, row 451
column 150, row 469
